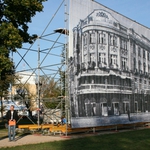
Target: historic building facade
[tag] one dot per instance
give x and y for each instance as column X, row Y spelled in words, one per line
column 110, row 68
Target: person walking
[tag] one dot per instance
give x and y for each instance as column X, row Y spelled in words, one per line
column 12, row 117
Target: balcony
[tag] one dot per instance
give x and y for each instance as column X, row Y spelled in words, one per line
column 103, row 88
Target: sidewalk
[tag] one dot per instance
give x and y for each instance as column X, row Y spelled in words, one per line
column 38, row 138
column 30, row 139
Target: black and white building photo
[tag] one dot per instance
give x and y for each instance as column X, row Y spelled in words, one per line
column 109, row 67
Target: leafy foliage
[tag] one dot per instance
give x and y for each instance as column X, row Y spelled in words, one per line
column 14, row 18
column 50, row 88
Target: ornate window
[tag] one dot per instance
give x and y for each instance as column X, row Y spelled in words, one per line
column 74, row 40
column 148, row 58
column 144, row 67
column 102, row 38
column 139, row 65
column 143, row 53
column 134, row 63
column 115, row 41
column 134, row 48
column 102, row 58
column 85, row 39
column 124, row 63
column 113, row 59
column 111, row 39
column 148, row 68
column 126, row 107
column 139, row 51
column 92, row 37
column 123, row 44
column 85, row 58
column 140, row 80
column 91, row 57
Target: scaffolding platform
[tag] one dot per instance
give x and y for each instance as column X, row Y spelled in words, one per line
column 66, row 129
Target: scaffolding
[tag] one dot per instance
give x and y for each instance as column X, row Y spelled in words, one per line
column 43, row 60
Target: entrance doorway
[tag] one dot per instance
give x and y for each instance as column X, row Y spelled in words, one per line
column 104, row 109
column 115, row 106
column 125, row 107
column 136, row 106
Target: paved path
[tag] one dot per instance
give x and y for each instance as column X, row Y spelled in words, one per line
column 38, row 138
column 31, row 139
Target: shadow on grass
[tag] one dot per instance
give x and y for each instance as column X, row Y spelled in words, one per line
column 131, row 140
column 21, row 136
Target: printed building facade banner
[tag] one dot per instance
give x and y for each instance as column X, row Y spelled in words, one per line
column 109, row 67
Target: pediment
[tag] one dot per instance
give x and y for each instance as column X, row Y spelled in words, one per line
column 100, row 16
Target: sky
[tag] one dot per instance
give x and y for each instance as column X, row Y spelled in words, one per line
column 46, row 22
column 137, row 10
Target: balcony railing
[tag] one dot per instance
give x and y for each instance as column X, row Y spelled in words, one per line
column 104, row 87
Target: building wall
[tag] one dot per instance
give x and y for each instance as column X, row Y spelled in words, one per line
column 26, row 82
column 110, row 67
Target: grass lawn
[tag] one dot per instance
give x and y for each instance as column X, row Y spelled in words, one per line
column 129, row 140
column 3, row 130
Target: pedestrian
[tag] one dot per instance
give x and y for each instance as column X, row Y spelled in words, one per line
column 63, row 120
column 12, row 118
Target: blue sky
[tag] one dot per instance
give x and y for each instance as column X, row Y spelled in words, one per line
column 137, row 10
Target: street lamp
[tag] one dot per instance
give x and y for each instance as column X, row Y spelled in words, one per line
column 38, row 91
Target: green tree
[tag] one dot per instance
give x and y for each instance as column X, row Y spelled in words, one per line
column 14, row 18
column 49, row 92
column 50, row 88
column 4, row 84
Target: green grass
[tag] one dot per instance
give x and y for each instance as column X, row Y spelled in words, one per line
column 130, row 140
column 3, row 130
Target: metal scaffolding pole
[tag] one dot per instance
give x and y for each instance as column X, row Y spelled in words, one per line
column 38, row 85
